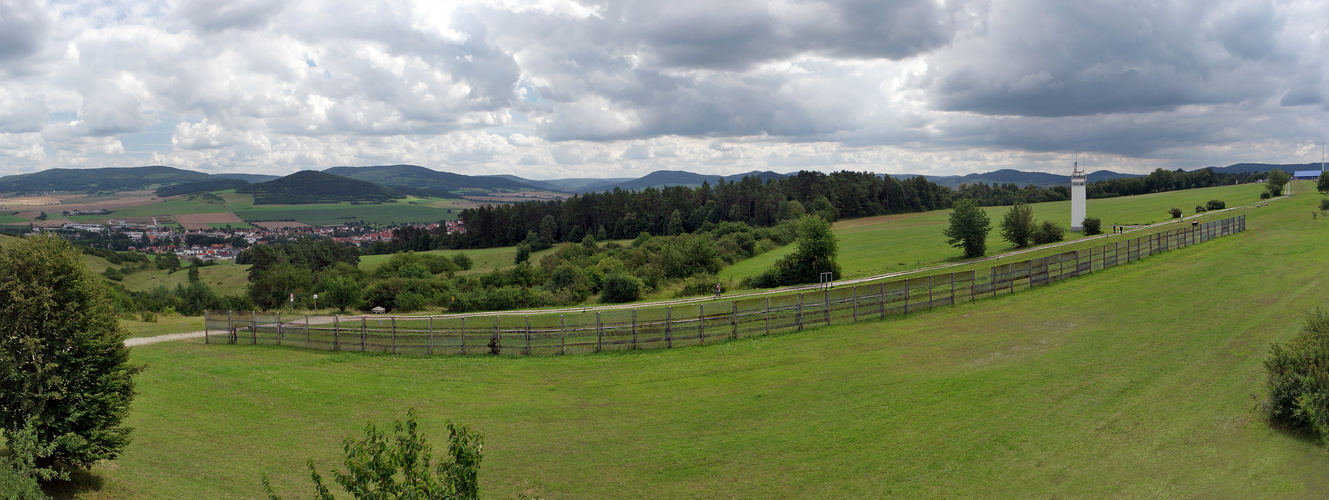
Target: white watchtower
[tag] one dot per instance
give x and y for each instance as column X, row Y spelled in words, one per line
column 1077, row 198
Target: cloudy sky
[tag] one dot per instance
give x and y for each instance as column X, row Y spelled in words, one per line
column 564, row 88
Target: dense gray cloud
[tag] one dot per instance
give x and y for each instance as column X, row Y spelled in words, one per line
column 24, row 27
column 556, row 88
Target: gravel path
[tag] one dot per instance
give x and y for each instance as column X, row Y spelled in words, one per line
column 163, row 338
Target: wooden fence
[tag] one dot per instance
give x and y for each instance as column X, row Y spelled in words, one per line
column 675, row 326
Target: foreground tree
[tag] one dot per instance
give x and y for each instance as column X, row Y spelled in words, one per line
column 1323, row 184
column 64, row 367
column 398, row 466
column 969, row 229
column 1017, row 226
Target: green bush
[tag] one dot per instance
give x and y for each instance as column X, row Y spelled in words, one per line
column 1215, row 205
column 1092, row 226
column 1048, row 232
column 399, row 466
column 463, row 261
column 113, row 274
column 1298, row 373
column 1264, row 195
column 619, row 288
column 1175, row 212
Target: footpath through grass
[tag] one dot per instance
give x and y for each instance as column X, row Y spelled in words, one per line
column 1134, row 382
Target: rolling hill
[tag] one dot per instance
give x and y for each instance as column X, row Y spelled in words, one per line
column 436, row 183
column 309, row 186
column 97, row 179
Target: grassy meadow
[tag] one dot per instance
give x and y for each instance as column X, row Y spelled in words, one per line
column 891, row 243
column 1136, row 381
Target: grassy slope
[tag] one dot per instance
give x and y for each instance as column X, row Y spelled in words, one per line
column 1132, row 382
column 878, row 245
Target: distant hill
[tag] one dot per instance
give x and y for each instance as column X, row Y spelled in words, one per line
column 309, row 186
column 89, row 180
column 663, row 178
column 570, row 185
column 437, row 183
column 250, row 178
column 1020, row 178
column 203, row 186
column 1265, row 167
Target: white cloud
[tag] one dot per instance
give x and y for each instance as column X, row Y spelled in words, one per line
column 556, row 88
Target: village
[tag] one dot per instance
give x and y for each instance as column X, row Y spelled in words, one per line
column 211, row 245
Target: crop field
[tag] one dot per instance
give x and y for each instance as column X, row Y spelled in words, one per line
column 1136, row 381
column 410, row 210
column 892, row 243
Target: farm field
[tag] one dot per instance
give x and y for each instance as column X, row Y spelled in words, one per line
column 412, row 210
column 1132, row 382
column 890, row 243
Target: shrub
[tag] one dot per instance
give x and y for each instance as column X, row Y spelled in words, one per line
column 619, row 288
column 1264, row 195
column 1324, row 204
column 398, row 466
column 1216, row 205
column 1299, row 379
column 113, row 274
column 410, row 301
column 1199, row 209
column 1048, row 232
column 463, row 261
column 1176, row 212
column 523, row 253
column 1092, row 226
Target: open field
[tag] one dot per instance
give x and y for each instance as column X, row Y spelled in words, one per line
column 890, row 243
column 410, row 210
column 1131, row 382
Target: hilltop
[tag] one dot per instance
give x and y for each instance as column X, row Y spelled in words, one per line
column 309, row 186
column 436, row 183
column 97, row 179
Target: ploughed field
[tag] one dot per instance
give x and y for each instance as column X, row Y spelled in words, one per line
column 1133, row 381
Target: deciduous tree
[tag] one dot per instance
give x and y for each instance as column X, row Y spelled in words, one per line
column 64, row 367
column 969, row 229
column 1017, row 226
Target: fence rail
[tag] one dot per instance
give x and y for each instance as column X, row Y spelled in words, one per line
column 676, row 326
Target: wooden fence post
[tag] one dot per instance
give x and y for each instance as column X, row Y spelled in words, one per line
column 952, row 288
column 336, row 333
column 205, row 326
column 826, row 305
column 599, row 333
column 528, row 335
column 881, row 305
column 855, row 303
column 279, row 330
column 669, row 327
column 634, row 329
column 768, row 315
column 394, row 333
column 562, row 334
column 463, row 335
column 430, row 326
column 733, row 321
column 701, row 322
column 364, row 327
column 798, row 316
column 306, row 331
column 253, row 327
column 498, row 332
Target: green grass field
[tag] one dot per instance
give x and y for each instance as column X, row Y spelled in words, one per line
column 892, row 243
column 1132, row 382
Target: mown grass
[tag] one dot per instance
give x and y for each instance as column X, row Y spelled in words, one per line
column 164, row 324
column 1131, row 382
